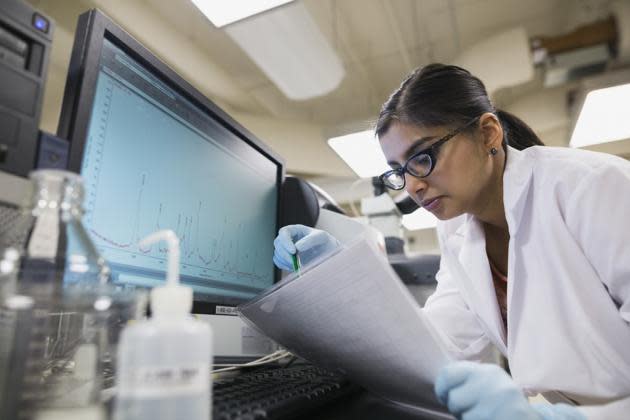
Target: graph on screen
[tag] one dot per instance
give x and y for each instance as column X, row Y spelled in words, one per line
column 147, row 169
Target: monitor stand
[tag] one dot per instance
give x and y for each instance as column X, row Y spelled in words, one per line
column 236, row 342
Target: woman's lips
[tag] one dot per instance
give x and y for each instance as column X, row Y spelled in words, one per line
column 432, row 203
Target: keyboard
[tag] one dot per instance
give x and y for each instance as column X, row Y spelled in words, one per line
column 277, row 392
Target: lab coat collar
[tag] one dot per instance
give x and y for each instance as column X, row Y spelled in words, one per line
column 517, row 178
column 516, row 181
column 470, row 240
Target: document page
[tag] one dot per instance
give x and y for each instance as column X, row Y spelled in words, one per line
column 352, row 313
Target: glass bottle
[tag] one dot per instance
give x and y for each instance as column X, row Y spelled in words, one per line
column 55, row 305
column 57, row 248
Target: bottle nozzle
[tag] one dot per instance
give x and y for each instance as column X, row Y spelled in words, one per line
column 172, row 298
column 168, row 236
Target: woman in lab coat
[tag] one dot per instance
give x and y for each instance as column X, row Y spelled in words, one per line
column 535, row 252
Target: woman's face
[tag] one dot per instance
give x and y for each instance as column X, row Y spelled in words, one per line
column 461, row 178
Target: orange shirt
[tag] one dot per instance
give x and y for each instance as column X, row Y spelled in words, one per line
column 500, row 287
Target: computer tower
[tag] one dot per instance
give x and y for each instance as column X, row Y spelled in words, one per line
column 25, row 41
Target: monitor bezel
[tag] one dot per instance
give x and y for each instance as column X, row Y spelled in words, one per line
column 92, row 29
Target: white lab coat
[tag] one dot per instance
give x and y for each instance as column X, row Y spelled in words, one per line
column 568, row 298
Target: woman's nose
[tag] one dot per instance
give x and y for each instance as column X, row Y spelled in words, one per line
column 415, row 186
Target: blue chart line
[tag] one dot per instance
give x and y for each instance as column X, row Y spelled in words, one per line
column 146, row 170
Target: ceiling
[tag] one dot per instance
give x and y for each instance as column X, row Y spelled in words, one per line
column 378, row 41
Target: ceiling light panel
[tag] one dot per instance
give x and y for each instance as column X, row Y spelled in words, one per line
column 361, row 152
column 603, row 118
column 222, row 12
column 288, row 46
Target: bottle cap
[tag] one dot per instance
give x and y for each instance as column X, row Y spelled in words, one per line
column 171, row 300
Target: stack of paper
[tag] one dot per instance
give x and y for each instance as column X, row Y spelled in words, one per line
column 352, row 313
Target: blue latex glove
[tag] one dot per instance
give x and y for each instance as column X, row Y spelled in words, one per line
column 475, row 391
column 308, row 242
column 558, row 412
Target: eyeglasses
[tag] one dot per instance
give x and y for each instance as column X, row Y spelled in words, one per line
column 420, row 164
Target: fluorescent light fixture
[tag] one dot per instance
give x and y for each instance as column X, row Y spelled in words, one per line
column 419, row 219
column 222, row 12
column 290, row 49
column 604, row 117
column 361, row 152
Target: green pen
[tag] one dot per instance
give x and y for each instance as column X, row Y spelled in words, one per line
column 296, row 263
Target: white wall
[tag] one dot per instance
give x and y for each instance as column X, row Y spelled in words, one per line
column 302, row 145
column 422, row 241
column 547, row 113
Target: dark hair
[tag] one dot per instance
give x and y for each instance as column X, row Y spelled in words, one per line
column 440, row 94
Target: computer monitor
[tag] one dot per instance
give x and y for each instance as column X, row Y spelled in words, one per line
column 156, row 154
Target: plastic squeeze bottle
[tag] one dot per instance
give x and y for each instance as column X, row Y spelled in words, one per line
column 164, row 362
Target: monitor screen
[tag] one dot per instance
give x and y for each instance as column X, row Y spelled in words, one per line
column 155, row 154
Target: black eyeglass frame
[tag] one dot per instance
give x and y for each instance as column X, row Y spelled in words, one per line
column 430, row 151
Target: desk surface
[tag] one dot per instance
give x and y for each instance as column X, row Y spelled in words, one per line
column 364, row 405
column 359, row 406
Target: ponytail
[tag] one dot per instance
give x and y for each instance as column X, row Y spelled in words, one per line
column 516, row 133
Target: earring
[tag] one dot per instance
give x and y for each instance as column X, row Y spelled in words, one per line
column 494, row 151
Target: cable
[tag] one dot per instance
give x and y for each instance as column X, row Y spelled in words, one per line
column 259, row 362
column 353, row 186
column 273, row 357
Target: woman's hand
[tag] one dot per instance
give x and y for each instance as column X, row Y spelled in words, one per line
column 308, row 242
column 476, row 391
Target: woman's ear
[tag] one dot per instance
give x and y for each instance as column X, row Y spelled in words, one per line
column 491, row 130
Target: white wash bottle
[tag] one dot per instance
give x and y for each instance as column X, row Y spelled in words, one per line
column 164, row 362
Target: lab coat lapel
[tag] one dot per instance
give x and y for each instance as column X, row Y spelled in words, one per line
column 517, row 178
column 516, row 181
column 471, row 266
column 476, row 279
